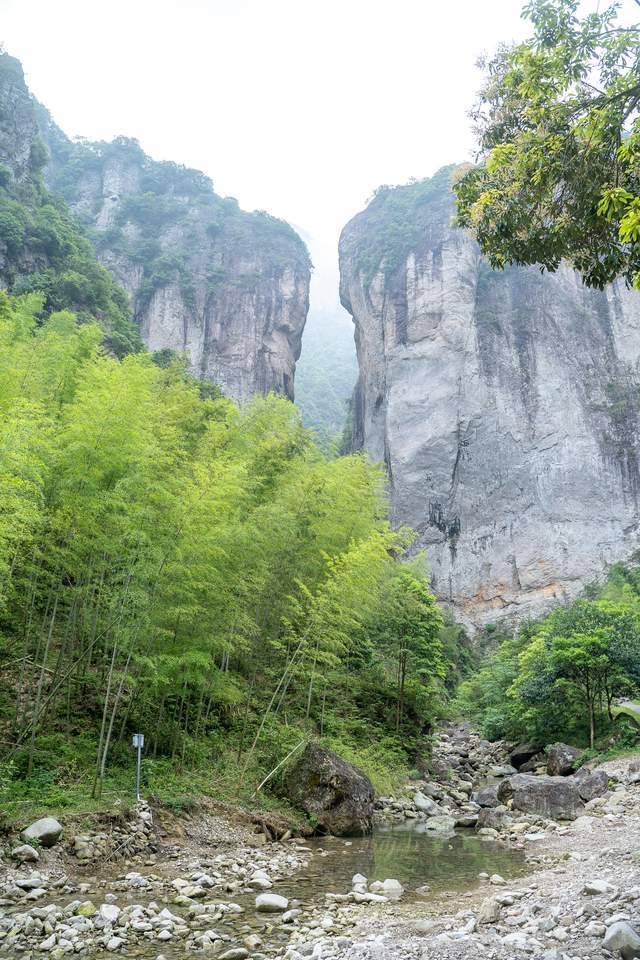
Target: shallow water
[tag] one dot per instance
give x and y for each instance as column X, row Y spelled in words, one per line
column 404, row 852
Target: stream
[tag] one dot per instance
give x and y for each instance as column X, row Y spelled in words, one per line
column 406, row 852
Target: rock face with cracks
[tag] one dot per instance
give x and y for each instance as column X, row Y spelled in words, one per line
column 503, row 404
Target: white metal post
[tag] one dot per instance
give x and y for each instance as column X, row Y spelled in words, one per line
column 138, row 743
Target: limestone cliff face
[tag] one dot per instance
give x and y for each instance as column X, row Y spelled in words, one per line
column 505, row 406
column 18, row 128
column 229, row 288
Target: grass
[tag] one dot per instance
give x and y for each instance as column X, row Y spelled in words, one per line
column 62, row 780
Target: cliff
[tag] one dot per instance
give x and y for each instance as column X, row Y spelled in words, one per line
column 228, row 288
column 504, row 405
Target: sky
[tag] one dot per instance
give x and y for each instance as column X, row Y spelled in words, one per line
column 298, row 107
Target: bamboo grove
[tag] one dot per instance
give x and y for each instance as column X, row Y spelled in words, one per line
column 176, row 563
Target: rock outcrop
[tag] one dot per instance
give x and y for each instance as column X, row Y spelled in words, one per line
column 336, row 794
column 504, row 405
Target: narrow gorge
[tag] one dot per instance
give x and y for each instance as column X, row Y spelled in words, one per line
column 503, row 404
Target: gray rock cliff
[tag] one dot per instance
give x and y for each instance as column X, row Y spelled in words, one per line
column 504, row 405
column 228, row 288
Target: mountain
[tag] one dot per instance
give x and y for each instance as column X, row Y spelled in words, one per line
column 505, row 406
column 325, row 374
column 229, row 289
column 42, row 247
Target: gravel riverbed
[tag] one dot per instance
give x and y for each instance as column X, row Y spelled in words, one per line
column 221, row 891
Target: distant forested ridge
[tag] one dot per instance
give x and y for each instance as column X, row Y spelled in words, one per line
column 326, row 374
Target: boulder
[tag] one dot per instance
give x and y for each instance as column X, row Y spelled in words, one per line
column 494, row 817
column 487, row 796
column 426, row 805
column 45, row 831
column 622, row 940
column 489, row 911
column 271, row 903
column 592, row 784
column 442, row 824
column 502, row 770
column 25, row 854
column 522, row 754
column 556, row 797
column 562, row 759
column 338, row 795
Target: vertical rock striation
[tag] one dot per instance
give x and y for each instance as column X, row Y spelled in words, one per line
column 504, row 405
column 228, row 288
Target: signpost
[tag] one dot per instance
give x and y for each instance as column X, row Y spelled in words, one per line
column 138, row 743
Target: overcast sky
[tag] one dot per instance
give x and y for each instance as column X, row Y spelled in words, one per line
column 298, row 107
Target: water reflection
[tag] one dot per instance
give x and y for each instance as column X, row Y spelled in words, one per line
column 406, row 852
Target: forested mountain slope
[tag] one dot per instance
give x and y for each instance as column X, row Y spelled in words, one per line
column 326, row 374
column 227, row 288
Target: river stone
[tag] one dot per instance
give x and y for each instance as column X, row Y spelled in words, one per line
column 505, row 770
column 592, row 784
column 562, row 759
column 338, row 795
column 555, row 797
column 109, row 912
column 596, row 887
column 493, row 817
column 489, row 911
column 86, row 909
column 46, row 831
column 487, row 796
column 392, row 889
column 271, row 903
column 235, row 953
column 25, row 853
column 426, row 805
column 622, row 939
column 441, row 824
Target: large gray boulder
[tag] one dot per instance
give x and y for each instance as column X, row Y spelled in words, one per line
column 622, row 940
column 336, row 794
column 494, row 817
column 592, row 783
column 556, row 797
column 46, row 832
column 487, row 796
column 562, row 759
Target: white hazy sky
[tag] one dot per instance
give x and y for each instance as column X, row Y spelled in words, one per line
column 298, row 107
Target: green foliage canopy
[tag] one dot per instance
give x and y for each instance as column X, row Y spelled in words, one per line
column 559, row 133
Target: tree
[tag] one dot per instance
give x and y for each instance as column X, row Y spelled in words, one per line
column 559, row 143
column 582, row 657
column 409, row 631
